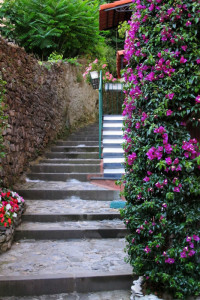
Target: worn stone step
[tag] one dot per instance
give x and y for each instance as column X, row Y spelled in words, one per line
column 83, row 177
column 63, row 190
column 73, row 206
column 65, row 194
column 49, row 267
column 77, row 143
column 71, row 230
column 83, row 138
column 87, row 155
column 71, row 161
column 75, row 149
column 66, row 168
column 102, row 295
column 61, row 217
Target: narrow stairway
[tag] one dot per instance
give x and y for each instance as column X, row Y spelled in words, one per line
column 70, row 241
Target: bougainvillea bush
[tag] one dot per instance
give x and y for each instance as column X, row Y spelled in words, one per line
column 162, row 159
column 10, row 204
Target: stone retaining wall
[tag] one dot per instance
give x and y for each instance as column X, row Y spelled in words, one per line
column 41, row 100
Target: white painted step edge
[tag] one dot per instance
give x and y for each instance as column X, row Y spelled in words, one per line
column 113, row 150
column 114, row 171
column 112, row 160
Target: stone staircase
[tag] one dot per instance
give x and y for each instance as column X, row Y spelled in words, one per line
column 70, row 241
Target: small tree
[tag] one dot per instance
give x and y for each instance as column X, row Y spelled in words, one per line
column 162, row 181
column 41, row 27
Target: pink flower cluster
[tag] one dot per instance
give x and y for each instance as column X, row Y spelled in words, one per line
column 189, row 251
column 131, row 158
column 191, row 149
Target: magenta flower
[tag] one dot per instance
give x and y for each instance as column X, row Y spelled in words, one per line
column 158, row 185
column 149, row 173
column 183, row 60
column 146, row 179
column 164, row 205
column 178, row 168
column 169, row 112
column 191, row 253
column 160, row 129
column 153, row 224
column 147, row 249
column 133, row 240
column 176, row 189
column 176, row 161
column 131, row 158
column 184, row 47
column 198, row 61
column 138, row 231
column 197, row 99
column 170, row 261
column 188, row 239
column 165, row 182
column 188, row 23
column 170, row 96
column 168, row 161
column 150, row 231
column 157, row 246
column 168, row 147
column 191, row 245
column 137, row 126
column 196, row 238
column 183, row 254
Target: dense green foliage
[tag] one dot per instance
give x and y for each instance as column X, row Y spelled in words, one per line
column 41, row 27
column 162, row 181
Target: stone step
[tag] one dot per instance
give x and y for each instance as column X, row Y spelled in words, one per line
column 83, row 177
column 83, row 134
column 65, row 194
column 77, row 143
column 50, row 267
column 117, row 141
column 83, row 138
column 75, row 149
column 66, row 168
column 111, row 125
column 72, row 206
column 113, row 117
column 115, row 133
column 71, row 161
column 82, row 155
column 102, row 295
column 111, row 165
column 63, row 190
column 61, row 217
column 71, row 230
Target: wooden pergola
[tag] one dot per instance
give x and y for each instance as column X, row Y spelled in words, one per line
column 111, row 14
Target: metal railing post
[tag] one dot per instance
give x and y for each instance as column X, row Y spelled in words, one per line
column 100, row 110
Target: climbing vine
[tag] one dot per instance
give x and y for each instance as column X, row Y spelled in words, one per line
column 162, row 159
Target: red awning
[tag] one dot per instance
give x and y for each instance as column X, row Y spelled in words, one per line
column 112, row 13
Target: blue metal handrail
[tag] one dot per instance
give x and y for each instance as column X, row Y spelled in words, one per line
column 100, row 110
